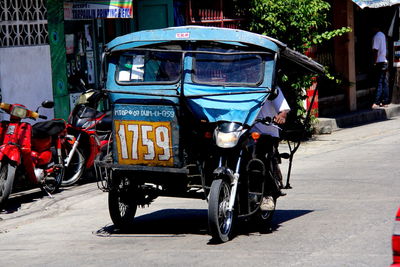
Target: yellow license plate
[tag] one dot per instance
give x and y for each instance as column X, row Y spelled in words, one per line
column 144, row 142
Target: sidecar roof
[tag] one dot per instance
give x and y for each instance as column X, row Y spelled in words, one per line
column 212, row 34
column 192, row 33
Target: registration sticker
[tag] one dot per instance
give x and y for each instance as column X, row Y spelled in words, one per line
column 182, row 35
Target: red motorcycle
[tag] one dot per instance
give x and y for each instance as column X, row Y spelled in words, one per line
column 32, row 152
column 89, row 133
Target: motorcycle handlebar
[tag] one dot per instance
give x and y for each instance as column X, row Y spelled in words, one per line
column 266, row 120
column 29, row 114
column 5, row 106
column 269, row 121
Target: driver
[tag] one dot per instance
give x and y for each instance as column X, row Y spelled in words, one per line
column 268, row 143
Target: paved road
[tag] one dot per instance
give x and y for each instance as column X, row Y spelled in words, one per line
column 340, row 213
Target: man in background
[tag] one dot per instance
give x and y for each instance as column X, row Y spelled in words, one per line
column 380, row 69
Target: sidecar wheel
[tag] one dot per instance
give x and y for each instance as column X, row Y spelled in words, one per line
column 219, row 218
column 122, row 207
column 7, row 174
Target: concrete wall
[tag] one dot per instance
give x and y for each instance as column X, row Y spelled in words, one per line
column 25, row 77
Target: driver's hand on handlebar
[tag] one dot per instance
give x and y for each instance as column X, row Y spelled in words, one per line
column 280, row 118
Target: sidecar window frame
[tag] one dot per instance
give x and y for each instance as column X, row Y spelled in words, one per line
column 224, row 49
column 143, row 51
column 257, row 83
column 189, row 52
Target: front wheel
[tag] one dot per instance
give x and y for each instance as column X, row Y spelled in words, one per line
column 7, row 174
column 220, row 219
column 76, row 166
column 122, row 206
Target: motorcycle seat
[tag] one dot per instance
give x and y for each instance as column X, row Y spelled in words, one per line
column 47, row 128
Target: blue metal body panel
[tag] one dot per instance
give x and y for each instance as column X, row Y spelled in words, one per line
column 192, row 33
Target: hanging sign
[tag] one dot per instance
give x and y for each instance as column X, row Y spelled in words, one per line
column 102, row 9
column 376, row 3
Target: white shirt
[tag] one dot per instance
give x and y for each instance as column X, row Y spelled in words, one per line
column 379, row 44
column 270, row 109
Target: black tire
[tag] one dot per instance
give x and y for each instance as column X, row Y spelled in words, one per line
column 7, row 175
column 76, row 167
column 122, row 206
column 220, row 221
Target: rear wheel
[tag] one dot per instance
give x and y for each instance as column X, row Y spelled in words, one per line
column 264, row 218
column 75, row 168
column 53, row 181
column 272, row 186
column 219, row 218
column 54, row 176
column 7, row 174
column 122, row 205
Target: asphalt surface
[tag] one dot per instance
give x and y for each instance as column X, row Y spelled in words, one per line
column 340, row 212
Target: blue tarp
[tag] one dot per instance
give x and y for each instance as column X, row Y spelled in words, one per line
column 376, row 3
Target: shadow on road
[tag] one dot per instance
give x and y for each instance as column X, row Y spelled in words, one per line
column 29, row 194
column 282, row 216
column 168, row 221
column 173, row 222
column 15, row 202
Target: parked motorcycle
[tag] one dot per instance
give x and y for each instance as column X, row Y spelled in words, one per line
column 89, row 132
column 32, row 152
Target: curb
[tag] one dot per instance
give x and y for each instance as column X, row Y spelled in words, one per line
column 329, row 125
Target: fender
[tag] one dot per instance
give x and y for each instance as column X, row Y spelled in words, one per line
column 12, row 152
column 223, row 171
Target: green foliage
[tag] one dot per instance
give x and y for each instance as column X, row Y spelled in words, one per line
column 300, row 24
column 294, row 22
column 325, row 36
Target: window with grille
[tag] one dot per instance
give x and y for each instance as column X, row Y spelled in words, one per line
column 23, row 23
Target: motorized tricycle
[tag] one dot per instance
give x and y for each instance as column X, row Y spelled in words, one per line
column 184, row 101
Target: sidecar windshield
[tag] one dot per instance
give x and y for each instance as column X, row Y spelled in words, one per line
column 228, row 69
column 148, row 67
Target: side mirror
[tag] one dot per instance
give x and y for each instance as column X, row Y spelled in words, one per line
column 48, row 104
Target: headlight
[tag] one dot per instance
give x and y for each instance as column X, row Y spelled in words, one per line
column 83, row 98
column 227, row 134
column 19, row 112
column 227, row 140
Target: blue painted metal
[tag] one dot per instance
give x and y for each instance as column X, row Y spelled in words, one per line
column 242, row 108
column 193, row 33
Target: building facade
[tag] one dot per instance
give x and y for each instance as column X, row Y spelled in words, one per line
column 47, row 47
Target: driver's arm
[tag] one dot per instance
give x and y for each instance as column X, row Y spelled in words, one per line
column 281, row 106
column 280, row 118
